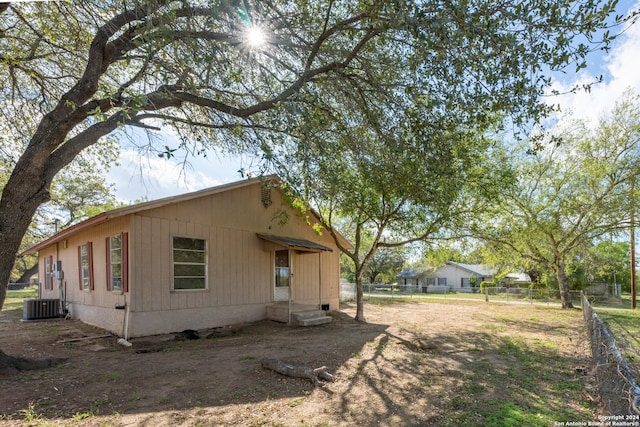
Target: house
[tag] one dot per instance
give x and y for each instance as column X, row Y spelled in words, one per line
column 210, row 258
column 413, row 277
column 461, row 277
column 517, row 280
column 455, row 277
column 450, row 277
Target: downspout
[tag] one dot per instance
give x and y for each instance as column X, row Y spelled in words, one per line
column 320, row 280
column 126, row 322
column 290, row 285
column 125, row 327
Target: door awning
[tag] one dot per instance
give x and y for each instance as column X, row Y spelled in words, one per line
column 299, row 245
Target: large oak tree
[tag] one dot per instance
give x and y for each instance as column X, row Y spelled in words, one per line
column 569, row 194
column 72, row 73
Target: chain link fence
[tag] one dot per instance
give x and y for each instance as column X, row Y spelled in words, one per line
column 347, row 292
column 496, row 294
column 617, row 385
column 18, row 286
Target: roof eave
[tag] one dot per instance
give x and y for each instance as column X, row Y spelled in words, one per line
column 98, row 219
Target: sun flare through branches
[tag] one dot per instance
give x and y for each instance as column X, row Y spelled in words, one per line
column 255, row 37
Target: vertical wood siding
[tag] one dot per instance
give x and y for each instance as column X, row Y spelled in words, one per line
column 100, row 295
column 239, row 264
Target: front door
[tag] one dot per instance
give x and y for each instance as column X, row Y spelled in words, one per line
column 283, row 277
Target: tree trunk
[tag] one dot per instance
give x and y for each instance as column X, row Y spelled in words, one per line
column 26, row 276
column 316, row 375
column 24, row 192
column 3, row 293
column 563, row 284
column 359, row 296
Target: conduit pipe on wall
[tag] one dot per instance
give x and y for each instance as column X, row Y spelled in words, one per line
column 125, row 328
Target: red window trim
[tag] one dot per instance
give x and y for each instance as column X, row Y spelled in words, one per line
column 124, row 244
column 108, row 263
column 80, row 267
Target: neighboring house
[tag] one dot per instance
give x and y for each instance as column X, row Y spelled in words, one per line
column 455, row 277
column 459, row 277
column 214, row 257
column 413, row 277
column 517, row 280
column 451, row 277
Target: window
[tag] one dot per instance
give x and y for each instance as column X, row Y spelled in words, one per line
column 117, row 262
column 48, row 272
column 85, row 263
column 189, row 263
column 442, row 281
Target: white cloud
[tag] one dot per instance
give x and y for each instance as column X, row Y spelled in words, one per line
column 620, row 73
column 152, row 177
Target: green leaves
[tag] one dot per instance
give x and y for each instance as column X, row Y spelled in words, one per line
column 390, row 99
column 167, row 153
column 570, row 193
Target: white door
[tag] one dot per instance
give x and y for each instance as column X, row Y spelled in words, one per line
column 283, row 276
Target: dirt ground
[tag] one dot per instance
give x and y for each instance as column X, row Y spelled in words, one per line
column 410, row 364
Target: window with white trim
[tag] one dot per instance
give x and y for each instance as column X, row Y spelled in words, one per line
column 115, row 263
column 85, row 263
column 189, row 263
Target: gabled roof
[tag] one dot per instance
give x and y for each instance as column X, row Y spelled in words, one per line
column 477, row 269
column 153, row 204
column 412, row 273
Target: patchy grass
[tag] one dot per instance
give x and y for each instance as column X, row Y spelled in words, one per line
column 421, row 362
column 625, row 325
column 526, row 376
column 15, row 299
column 622, row 322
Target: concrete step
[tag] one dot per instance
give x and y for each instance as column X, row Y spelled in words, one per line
column 313, row 321
column 308, row 314
column 301, row 315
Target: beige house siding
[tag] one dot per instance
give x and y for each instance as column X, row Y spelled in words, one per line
column 240, row 265
column 237, row 265
column 97, row 306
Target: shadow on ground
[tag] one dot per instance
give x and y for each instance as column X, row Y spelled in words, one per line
column 412, row 364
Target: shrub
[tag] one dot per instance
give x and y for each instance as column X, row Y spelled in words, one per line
column 484, row 285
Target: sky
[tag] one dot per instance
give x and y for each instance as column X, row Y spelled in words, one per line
column 620, row 68
column 147, row 177
column 141, row 177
